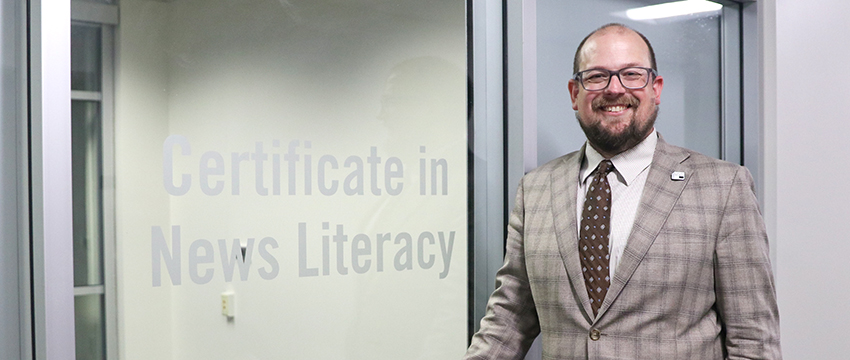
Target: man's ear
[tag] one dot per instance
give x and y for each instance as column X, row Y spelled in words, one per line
column 573, row 87
column 657, row 85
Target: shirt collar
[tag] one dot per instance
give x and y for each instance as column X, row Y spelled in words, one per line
column 628, row 164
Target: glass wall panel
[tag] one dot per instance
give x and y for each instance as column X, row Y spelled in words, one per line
column 85, row 58
column 89, row 327
column 291, row 179
column 688, row 51
column 87, row 195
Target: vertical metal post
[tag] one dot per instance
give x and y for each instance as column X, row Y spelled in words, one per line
column 487, row 152
column 108, row 136
column 10, row 169
column 50, row 221
column 730, row 92
column 521, row 139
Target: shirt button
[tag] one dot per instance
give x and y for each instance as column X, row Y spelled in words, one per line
column 594, row 334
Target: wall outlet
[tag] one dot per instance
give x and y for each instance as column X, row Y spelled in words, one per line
column 228, row 304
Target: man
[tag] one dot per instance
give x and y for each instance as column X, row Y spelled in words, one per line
column 631, row 248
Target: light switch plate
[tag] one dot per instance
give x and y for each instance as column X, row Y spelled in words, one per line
column 228, row 304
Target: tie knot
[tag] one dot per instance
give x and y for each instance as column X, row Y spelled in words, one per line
column 605, row 167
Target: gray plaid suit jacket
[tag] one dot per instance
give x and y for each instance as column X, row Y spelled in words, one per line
column 694, row 281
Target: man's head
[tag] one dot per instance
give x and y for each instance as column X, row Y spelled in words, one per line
column 615, row 118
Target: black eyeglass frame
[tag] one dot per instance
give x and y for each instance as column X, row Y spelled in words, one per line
column 611, row 73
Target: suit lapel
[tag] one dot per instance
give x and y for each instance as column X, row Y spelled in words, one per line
column 564, row 189
column 659, row 195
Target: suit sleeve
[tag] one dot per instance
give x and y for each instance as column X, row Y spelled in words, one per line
column 744, row 285
column 510, row 324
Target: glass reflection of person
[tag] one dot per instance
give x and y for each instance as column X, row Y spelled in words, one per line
column 423, row 106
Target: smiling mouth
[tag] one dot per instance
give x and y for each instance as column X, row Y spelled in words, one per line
column 615, row 108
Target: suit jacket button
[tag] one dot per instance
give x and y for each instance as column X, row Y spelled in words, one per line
column 594, row 334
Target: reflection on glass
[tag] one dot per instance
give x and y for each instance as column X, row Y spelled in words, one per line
column 86, row 175
column 85, row 58
column 88, row 326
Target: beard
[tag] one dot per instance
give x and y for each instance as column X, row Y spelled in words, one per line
column 608, row 142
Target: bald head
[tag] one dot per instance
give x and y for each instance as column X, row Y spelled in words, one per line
column 611, row 28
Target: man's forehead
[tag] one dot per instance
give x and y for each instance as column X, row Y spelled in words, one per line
column 607, row 38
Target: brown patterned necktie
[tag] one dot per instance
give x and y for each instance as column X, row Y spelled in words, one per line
column 593, row 236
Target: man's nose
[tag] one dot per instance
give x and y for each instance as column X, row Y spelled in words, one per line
column 615, row 86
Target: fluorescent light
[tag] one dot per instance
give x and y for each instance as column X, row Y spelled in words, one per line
column 672, row 9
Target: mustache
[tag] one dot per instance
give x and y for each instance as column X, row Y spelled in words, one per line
column 622, row 100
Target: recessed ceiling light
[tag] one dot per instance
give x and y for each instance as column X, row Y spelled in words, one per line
column 673, row 9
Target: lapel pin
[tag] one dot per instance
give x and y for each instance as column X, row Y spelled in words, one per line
column 677, row 176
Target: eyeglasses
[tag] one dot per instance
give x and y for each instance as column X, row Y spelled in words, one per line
column 598, row 79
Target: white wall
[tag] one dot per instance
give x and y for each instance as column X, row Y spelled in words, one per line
column 144, row 316
column 810, row 170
